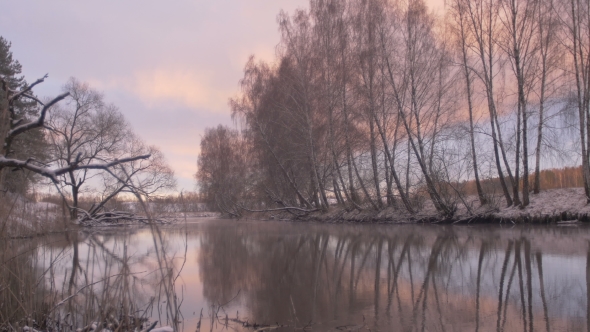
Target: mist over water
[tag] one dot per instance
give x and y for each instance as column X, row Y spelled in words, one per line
column 247, row 275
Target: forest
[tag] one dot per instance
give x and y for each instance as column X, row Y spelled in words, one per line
column 376, row 104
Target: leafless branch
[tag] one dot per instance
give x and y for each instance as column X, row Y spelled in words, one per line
column 27, row 89
column 40, row 122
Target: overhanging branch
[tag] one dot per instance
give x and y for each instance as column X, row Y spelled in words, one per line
column 27, row 89
column 54, row 173
column 40, row 122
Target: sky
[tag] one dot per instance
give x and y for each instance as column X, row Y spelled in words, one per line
column 169, row 66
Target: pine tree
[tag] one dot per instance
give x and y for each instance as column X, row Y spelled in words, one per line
column 30, row 144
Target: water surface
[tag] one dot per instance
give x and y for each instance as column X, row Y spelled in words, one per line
column 247, row 275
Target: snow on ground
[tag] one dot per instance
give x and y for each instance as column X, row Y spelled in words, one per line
column 547, row 203
column 20, row 216
column 41, row 207
column 551, row 202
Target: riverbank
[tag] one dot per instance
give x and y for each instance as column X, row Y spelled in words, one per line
column 567, row 205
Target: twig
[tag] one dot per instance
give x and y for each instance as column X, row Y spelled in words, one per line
column 86, row 286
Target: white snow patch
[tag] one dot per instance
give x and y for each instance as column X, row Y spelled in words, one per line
column 163, row 329
column 550, row 202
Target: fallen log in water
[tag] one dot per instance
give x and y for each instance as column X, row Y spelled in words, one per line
column 116, row 218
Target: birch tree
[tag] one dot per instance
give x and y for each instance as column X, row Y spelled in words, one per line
column 575, row 16
column 518, row 41
column 482, row 16
column 463, row 40
column 548, row 55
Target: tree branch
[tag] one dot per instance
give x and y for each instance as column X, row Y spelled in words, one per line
column 27, row 89
column 54, row 173
column 40, row 122
column 104, row 166
column 33, row 98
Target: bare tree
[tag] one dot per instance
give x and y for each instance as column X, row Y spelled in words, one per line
column 221, row 170
column 264, row 108
column 144, row 177
column 518, row 41
column 459, row 14
column 386, row 38
column 548, row 55
column 361, row 102
column 136, row 168
column 366, row 22
column 417, row 95
column 11, row 129
column 482, row 16
column 297, row 37
column 85, row 130
column 332, row 53
column 576, row 20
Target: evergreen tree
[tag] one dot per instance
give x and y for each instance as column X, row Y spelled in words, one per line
column 30, row 144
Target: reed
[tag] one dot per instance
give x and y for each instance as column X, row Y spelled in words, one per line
column 55, row 276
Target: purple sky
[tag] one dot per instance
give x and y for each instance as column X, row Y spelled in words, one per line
column 170, row 66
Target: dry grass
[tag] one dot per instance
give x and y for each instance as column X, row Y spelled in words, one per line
column 54, row 276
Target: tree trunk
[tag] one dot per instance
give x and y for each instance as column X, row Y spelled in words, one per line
column 337, row 192
column 434, row 195
column 374, row 164
column 477, row 21
column 581, row 83
column 398, row 183
column 4, row 127
column 74, row 207
column 537, row 180
column 525, row 155
column 516, row 182
column 480, row 194
column 363, row 187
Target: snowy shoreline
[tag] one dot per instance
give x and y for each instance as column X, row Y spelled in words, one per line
column 567, row 206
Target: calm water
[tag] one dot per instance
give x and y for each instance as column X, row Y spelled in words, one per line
column 229, row 275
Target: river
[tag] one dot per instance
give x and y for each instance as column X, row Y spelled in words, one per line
column 220, row 275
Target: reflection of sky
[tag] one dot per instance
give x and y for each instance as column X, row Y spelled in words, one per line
column 100, row 256
column 564, row 277
column 455, row 271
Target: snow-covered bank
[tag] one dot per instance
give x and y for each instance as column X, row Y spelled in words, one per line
column 21, row 217
column 549, row 203
column 549, row 206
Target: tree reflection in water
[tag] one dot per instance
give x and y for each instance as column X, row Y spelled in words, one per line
column 410, row 278
column 244, row 276
column 86, row 279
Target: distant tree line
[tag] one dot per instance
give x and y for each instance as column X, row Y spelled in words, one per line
column 78, row 142
column 375, row 103
column 554, row 178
